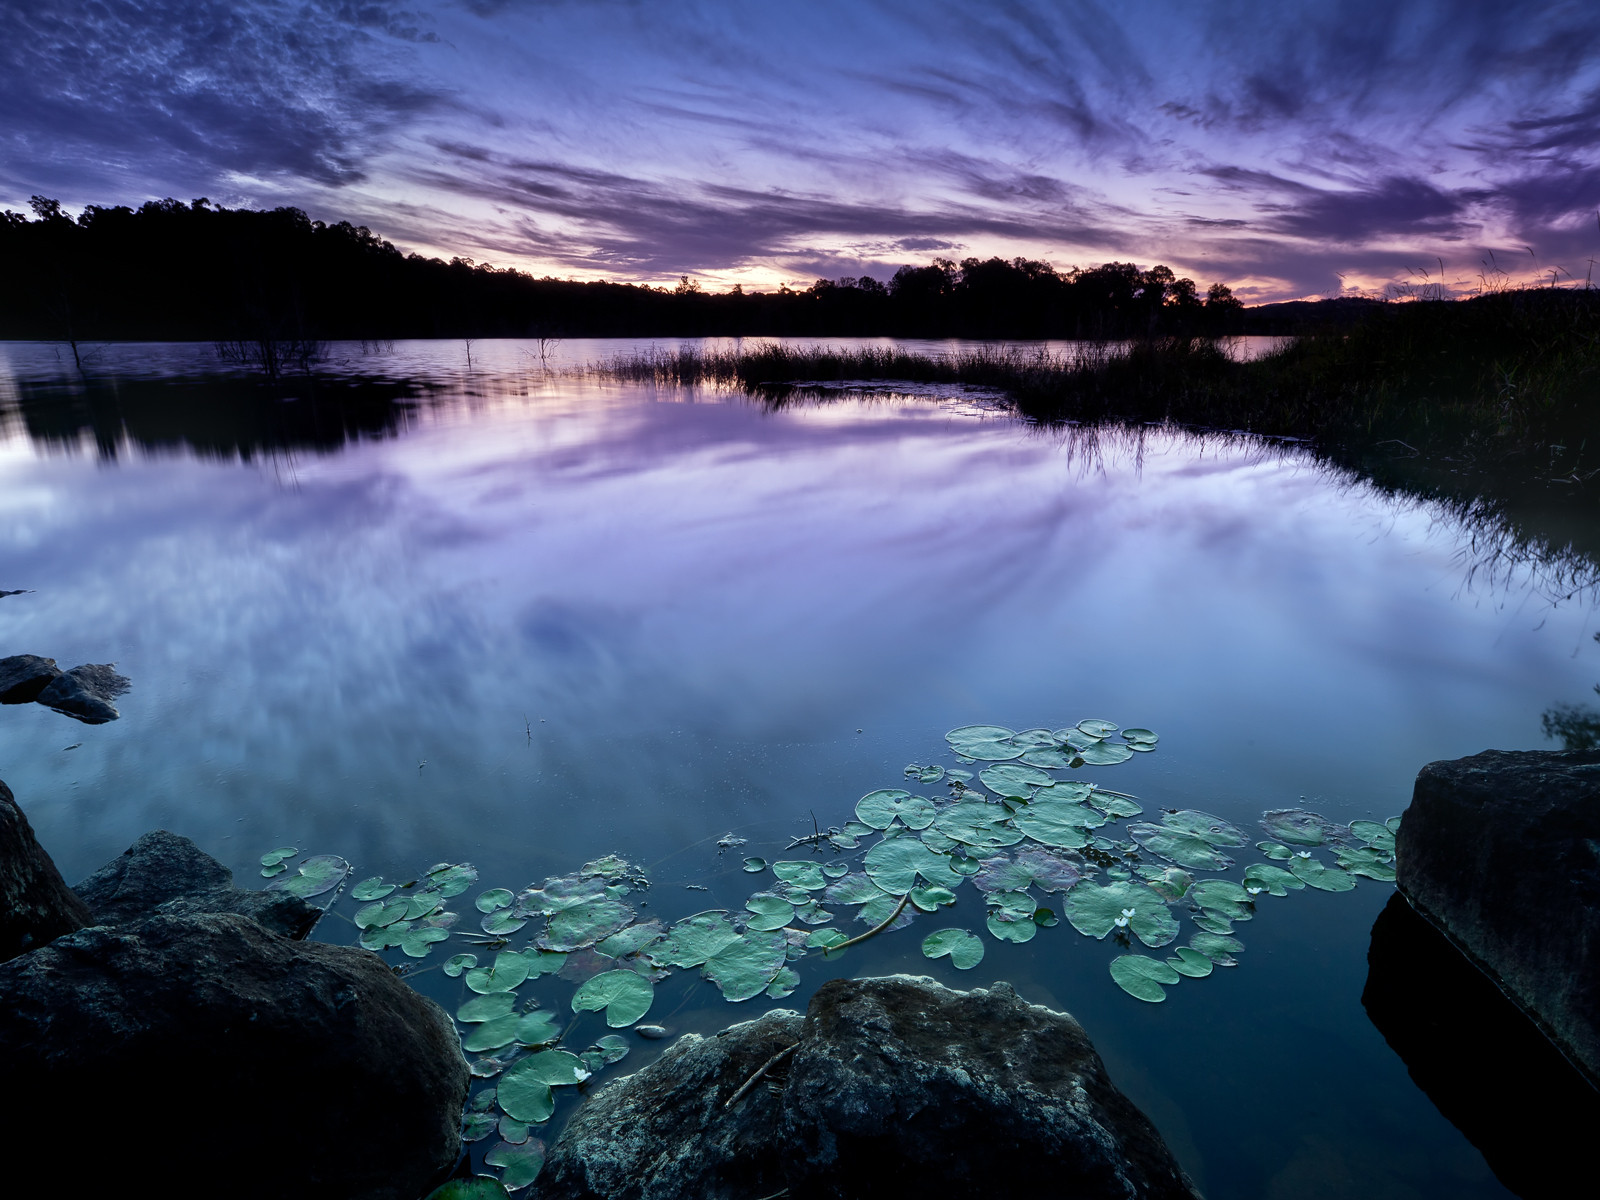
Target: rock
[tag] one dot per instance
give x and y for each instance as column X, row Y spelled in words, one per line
column 163, row 872
column 218, row 1058
column 895, row 1087
column 86, row 693
column 1537, row 1145
column 24, row 676
column 36, row 905
column 1501, row 852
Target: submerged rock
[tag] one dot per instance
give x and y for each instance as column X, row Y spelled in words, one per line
column 36, row 905
column 886, row 1088
column 24, row 676
column 1501, row 852
column 165, row 873
column 86, row 693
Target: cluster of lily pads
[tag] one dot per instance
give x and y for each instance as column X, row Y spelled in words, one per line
column 1014, row 829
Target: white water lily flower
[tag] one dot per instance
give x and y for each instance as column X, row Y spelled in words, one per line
column 1254, row 891
column 1122, row 921
column 1302, row 854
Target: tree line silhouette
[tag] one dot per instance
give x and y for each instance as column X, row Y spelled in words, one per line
column 174, row 271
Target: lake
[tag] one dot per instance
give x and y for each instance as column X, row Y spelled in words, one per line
column 493, row 611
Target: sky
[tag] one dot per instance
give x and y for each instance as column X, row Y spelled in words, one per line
column 1288, row 149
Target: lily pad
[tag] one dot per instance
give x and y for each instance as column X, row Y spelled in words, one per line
column 632, row 939
column 458, row 963
column 834, row 870
column 743, row 968
column 1096, row 911
column 507, row 974
column 825, row 939
column 1218, row 947
column 625, row 995
column 1014, row 779
column 474, row 1128
column 993, row 743
column 1189, row 961
column 801, row 874
column 895, row 866
column 1212, row 830
column 1223, row 896
column 1140, row 736
column 416, row 943
column 1033, row 866
column 783, row 984
column 965, row 950
column 494, row 899
column 1097, row 728
column 1053, row 757
column 1142, row 978
column 538, row 1028
column 1366, row 861
column 1275, row 851
column 319, row 874
column 613, row 1047
column 1059, row 823
column 490, row 1007
column 277, row 868
column 1182, row 849
column 451, row 879
column 543, row 962
column 768, row 911
column 879, row 809
column 498, row 924
column 1298, row 827
column 491, row 1035
column 1114, row 806
column 273, row 858
column 755, row 865
column 1171, row 884
column 585, row 923
column 379, row 914
column 852, row 889
column 1213, row 922
column 930, row 899
column 1379, row 837
column 1012, row 927
column 1321, row 876
column 1106, row 754
column 693, row 940
column 979, row 825
column 519, row 1165
column 371, row 889
column 1269, row 878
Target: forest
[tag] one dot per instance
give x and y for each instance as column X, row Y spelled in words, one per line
column 200, row 272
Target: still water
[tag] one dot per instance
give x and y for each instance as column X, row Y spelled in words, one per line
column 491, row 611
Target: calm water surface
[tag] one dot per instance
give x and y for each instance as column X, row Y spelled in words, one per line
column 523, row 619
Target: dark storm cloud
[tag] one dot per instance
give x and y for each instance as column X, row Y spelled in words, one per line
column 104, row 95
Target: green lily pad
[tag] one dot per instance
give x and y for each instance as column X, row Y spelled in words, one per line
column 515, row 1132
column 1321, row 876
column 519, row 1165
column 1189, row 961
column 979, row 825
column 275, row 869
column 1366, row 861
column 1142, row 736
column 474, row 1128
column 825, row 939
column 543, row 962
column 1214, row 831
column 992, row 743
column 458, row 963
column 1033, row 866
column 274, row 857
column 501, row 923
column 1096, row 911
column 1097, row 728
column 489, row 1007
column 964, row 949
column 1271, row 879
column 1015, row 904
column 1394, row 824
column 1058, row 823
column 1114, row 806
column 524, row 1096
column 451, row 879
column 1106, row 754
column 834, row 870
column 743, row 968
column 1218, row 947
column 632, row 939
column 755, row 865
column 494, row 899
column 380, row 913
column 469, row 1189
column 802, row 874
column 1011, row 927
column 1182, row 849
column 879, row 809
column 538, row 1028
column 319, row 874
column 1378, row 837
column 585, row 923
column 1223, row 896
column 880, row 908
column 1213, row 922
column 852, row 889
column 1053, row 757
column 693, row 940
column 371, row 889
column 507, row 974
column 1298, row 827
column 783, row 984
column 1142, row 977
column 1275, row 851
column 625, row 995
column 1170, row 884
column 769, row 911
column 613, row 1047
column 1014, row 779
column 930, row 899
column 895, row 866
column 929, row 774
column 491, row 1035
column 416, row 943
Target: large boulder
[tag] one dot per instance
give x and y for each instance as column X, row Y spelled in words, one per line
column 86, row 693
column 163, row 872
column 24, row 676
column 895, row 1087
column 36, row 905
column 213, row 1057
column 1501, row 851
